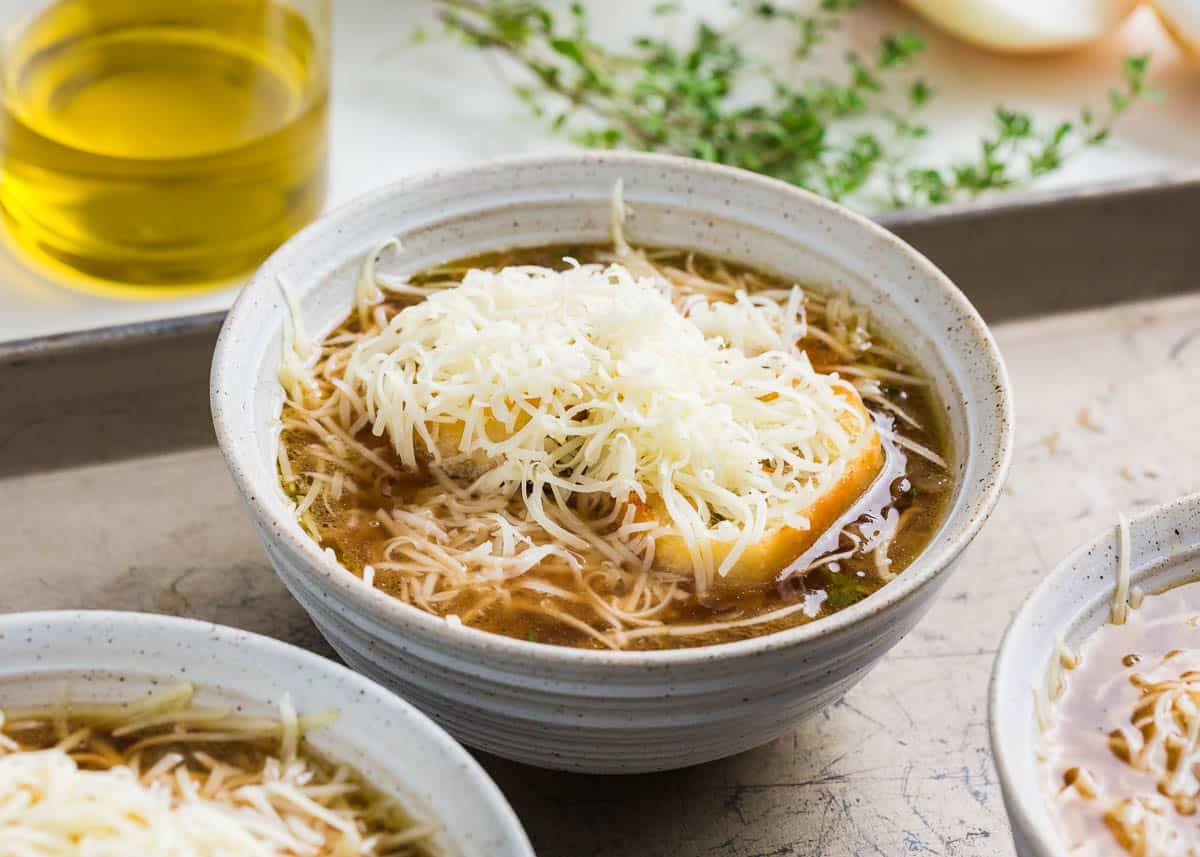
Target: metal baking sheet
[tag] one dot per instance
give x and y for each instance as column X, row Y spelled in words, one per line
column 113, row 496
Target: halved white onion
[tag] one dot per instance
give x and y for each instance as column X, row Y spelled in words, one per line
column 1182, row 20
column 1028, row 26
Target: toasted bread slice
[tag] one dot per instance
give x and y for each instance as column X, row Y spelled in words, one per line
column 474, row 464
column 762, row 563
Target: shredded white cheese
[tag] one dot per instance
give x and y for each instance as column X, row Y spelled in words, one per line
column 592, row 381
column 753, row 324
column 49, row 807
column 1120, row 608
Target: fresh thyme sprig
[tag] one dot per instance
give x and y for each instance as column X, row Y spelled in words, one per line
column 1018, row 150
column 840, row 136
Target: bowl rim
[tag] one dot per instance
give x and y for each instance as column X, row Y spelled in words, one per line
column 203, row 633
column 396, row 614
column 1004, row 748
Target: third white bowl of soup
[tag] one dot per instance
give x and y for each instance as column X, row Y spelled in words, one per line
column 1096, row 696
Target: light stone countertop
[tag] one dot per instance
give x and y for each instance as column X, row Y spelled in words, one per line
column 1107, row 421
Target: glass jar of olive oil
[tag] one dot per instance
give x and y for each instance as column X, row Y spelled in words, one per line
column 162, row 145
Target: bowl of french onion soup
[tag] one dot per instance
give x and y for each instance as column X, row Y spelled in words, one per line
column 610, row 462
column 129, row 733
column 1095, row 697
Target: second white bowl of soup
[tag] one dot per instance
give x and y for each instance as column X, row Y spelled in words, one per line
column 610, row 479
column 131, row 733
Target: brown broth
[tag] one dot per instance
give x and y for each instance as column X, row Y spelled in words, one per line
column 249, row 755
column 919, row 491
column 1160, row 638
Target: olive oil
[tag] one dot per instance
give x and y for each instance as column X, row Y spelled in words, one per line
column 163, row 144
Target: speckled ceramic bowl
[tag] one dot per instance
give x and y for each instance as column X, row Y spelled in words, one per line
column 592, row 710
column 114, row 657
column 1074, row 600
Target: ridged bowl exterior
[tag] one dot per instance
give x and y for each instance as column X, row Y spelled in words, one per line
column 611, row 712
column 647, row 720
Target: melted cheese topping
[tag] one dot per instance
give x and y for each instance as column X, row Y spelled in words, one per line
column 593, row 381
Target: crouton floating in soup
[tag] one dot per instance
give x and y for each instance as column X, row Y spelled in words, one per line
column 609, row 447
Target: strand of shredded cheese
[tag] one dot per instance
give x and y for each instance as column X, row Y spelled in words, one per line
column 1120, row 608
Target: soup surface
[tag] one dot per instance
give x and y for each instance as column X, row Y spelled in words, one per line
column 1122, row 752
column 157, row 775
column 426, row 534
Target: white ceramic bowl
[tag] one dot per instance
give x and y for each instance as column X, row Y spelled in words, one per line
column 113, row 657
column 591, row 710
column 1074, row 600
